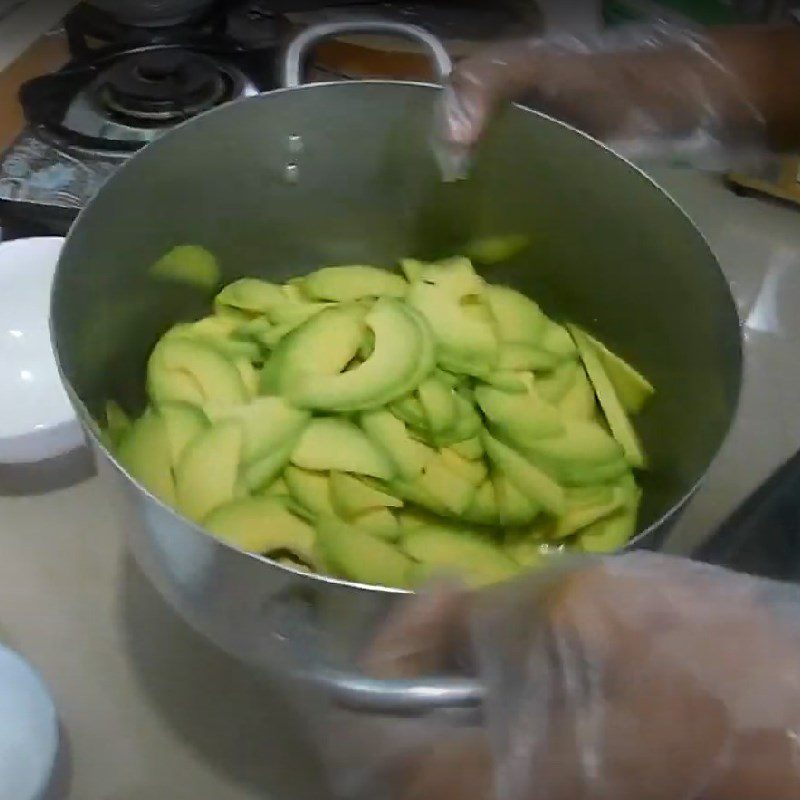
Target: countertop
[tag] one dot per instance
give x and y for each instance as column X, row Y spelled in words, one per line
column 150, row 711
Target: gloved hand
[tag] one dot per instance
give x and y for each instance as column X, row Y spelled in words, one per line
column 655, row 91
column 639, row 676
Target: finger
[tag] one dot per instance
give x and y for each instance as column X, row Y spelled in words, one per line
column 424, row 635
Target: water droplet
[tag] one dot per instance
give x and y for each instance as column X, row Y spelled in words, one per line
column 292, row 173
column 295, row 143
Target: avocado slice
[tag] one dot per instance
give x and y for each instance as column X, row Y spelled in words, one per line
column 521, row 418
column 412, row 268
column 491, row 250
column 267, row 422
column 217, row 332
column 513, row 507
column 585, row 506
column 263, row 525
column 251, row 295
column 580, row 401
column 516, row 356
column 183, row 423
column 378, row 522
column 409, row 409
column 450, row 299
column 185, row 370
column 322, row 345
column 617, row 419
column 262, row 471
column 360, row 556
column 352, row 496
column 389, row 434
column 117, row 423
column 536, row 485
column 615, row 531
column 385, row 375
column 145, row 452
column 473, row 471
column 632, row 388
column 329, row 443
column 450, row 489
column 468, row 422
column 581, row 441
column 205, row 477
column 277, row 488
column 552, row 386
column 310, row 489
column 189, row 264
column 556, row 339
column 352, row 283
column 517, row 317
column 476, row 560
column 438, row 404
column 471, row 449
column 483, row 508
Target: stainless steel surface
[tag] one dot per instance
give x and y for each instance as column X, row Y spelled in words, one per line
column 609, row 250
column 299, row 48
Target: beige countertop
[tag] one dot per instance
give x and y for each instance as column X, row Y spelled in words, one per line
column 151, row 712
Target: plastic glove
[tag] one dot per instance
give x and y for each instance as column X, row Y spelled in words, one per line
column 634, row 677
column 656, row 91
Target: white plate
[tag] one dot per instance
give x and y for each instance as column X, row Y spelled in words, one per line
column 28, row 730
column 36, row 418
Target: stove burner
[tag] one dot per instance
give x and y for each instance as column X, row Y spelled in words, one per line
column 162, row 86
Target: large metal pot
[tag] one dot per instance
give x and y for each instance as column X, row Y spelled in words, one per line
column 343, row 172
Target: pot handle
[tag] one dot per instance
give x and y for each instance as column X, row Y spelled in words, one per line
column 402, row 697
column 296, row 52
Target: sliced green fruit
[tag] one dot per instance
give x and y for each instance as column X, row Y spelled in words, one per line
column 310, row 489
column 263, row 525
column 409, row 409
column 322, row 345
column 251, row 295
column 277, row 488
column 145, row 452
column 495, row 249
column 585, row 473
column 579, row 402
column 553, row 386
column 329, row 443
column 118, row 423
column 389, row 434
column 205, row 478
column 448, row 487
column 360, row 556
column 483, row 508
column 556, row 339
column 216, row 331
column 511, row 381
column 184, row 370
column 617, row 419
column 183, row 423
column 450, row 300
column 471, row 449
column 476, row 560
column 352, row 283
column 267, row 422
column 386, row 374
column 616, row 530
column 581, row 441
column 438, row 404
column 379, row 522
column 412, row 269
column 520, row 418
column 468, row 423
column 189, row 264
column 632, row 388
column 586, row 506
column 517, row 317
column 262, row 471
column 473, row 471
column 523, row 356
column 513, row 507
column 351, row 496
column 536, row 485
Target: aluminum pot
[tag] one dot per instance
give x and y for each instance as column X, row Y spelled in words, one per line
column 343, row 172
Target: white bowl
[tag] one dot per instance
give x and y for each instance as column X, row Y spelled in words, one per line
column 28, row 730
column 37, row 421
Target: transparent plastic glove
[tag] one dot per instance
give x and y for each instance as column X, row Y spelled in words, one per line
column 649, row 92
column 633, row 677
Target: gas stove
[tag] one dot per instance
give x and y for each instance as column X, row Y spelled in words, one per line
column 124, row 86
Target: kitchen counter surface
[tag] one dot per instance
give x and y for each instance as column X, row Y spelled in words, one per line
column 151, row 712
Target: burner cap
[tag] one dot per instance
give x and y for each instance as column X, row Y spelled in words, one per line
column 163, row 85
